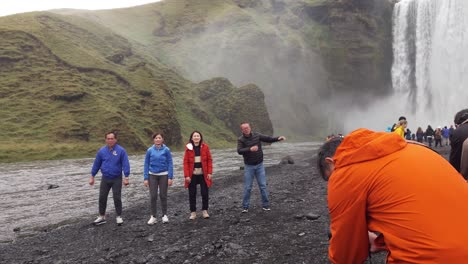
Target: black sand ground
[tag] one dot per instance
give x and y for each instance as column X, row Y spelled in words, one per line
column 289, row 233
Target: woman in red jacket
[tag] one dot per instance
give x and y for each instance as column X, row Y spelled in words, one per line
column 198, row 169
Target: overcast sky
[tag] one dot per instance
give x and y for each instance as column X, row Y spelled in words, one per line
column 9, row 7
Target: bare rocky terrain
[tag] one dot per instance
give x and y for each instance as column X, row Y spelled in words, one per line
column 294, row 231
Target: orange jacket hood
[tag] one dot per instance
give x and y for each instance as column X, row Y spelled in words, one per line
column 369, row 144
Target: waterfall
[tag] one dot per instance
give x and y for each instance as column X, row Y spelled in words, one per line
column 430, row 68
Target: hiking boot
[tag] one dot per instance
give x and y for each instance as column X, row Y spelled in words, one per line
column 100, row 220
column 165, row 219
column 193, row 215
column 266, row 208
column 205, row 214
column 152, row 220
column 119, row 220
column 245, row 210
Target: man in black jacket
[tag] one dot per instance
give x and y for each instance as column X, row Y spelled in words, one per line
column 249, row 145
column 460, row 134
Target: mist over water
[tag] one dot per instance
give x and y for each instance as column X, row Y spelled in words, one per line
column 248, row 48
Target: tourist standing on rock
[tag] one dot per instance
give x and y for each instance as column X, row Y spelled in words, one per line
column 112, row 160
column 420, row 135
column 158, row 174
column 394, row 126
column 198, row 169
column 457, row 139
column 249, row 145
column 438, row 137
column 413, row 215
column 401, row 128
column 445, row 136
column 429, row 135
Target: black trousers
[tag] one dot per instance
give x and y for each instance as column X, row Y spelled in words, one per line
column 104, row 188
column 198, row 179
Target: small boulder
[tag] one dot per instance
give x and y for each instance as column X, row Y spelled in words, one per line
column 287, row 160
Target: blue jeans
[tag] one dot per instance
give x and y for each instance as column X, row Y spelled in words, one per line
column 251, row 172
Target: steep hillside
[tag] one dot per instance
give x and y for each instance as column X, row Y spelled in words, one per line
column 65, row 81
column 304, row 54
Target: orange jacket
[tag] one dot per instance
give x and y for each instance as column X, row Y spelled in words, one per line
column 206, row 160
column 407, row 192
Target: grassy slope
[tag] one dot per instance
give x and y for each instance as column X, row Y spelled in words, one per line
column 183, row 33
column 297, row 52
column 65, row 81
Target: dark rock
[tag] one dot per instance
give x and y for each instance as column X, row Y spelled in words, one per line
column 311, row 216
column 150, row 238
column 16, row 229
column 287, row 160
column 299, row 216
column 52, row 186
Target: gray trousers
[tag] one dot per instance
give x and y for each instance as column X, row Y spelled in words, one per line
column 155, row 182
column 116, row 186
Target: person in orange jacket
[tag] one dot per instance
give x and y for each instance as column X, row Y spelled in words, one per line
column 384, row 192
column 198, row 169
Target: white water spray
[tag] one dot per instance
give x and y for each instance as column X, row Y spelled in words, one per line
column 430, row 70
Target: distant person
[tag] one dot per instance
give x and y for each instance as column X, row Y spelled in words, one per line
column 429, row 135
column 458, row 137
column 464, row 160
column 438, row 137
column 420, row 135
column 112, row 160
column 445, row 136
column 408, row 134
column 198, row 170
column 249, row 145
column 408, row 196
column 158, row 174
column 401, row 128
column 394, row 126
column 451, row 129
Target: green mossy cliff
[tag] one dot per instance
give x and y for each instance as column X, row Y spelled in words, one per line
column 300, row 53
column 65, row 81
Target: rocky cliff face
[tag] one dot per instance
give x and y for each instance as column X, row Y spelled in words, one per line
column 236, row 105
column 302, row 54
column 359, row 53
column 65, row 82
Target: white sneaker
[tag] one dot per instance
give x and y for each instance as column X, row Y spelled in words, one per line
column 205, row 214
column 100, row 220
column 152, row 220
column 165, row 219
column 193, row 215
column 119, row 220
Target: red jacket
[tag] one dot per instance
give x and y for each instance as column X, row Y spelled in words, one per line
column 206, row 160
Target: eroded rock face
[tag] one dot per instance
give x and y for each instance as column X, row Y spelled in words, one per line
column 236, row 105
column 359, row 55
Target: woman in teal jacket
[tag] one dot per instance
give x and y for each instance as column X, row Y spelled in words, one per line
column 158, row 174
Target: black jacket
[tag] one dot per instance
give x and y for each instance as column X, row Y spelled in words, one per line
column 255, row 139
column 456, row 143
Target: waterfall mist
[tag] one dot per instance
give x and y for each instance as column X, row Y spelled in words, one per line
column 249, row 45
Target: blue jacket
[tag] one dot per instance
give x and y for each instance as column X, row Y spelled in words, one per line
column 111, row 162
column 158, row 160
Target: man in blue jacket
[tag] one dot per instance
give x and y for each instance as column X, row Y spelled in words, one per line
column 249, row 145
column 111, row 159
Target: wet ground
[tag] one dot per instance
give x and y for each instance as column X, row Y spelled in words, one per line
column 294, row 231
column 39, row 194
